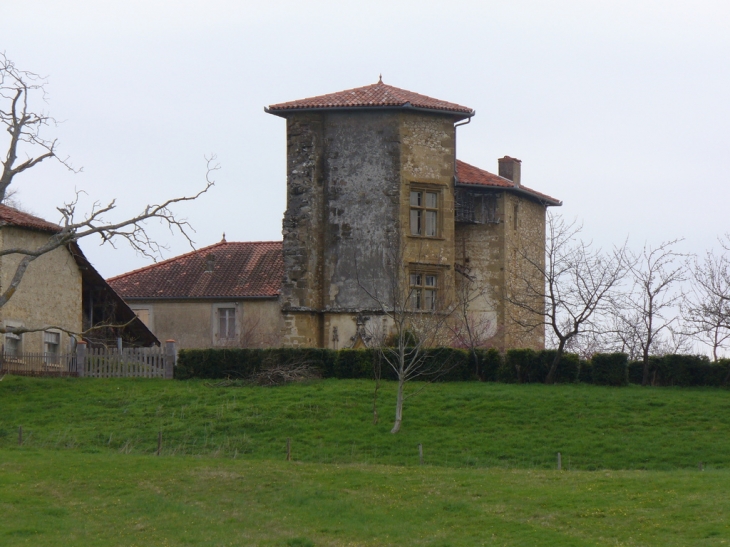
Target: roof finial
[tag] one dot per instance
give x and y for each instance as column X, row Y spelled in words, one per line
column 380, row 79
column 224, row 238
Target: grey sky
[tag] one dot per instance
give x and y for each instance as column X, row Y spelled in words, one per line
column 621, row 108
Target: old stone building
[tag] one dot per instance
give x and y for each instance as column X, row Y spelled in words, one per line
column 372, row 178
column 61, row 297
column 375, row 195
column 223, row 295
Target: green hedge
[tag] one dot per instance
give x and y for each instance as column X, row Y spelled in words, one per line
column 610, row 369
column 681, row 370
column 514, row 366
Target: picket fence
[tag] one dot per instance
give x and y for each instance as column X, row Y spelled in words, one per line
column 95, row 363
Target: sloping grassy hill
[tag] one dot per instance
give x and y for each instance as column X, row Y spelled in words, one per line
column 468, row 424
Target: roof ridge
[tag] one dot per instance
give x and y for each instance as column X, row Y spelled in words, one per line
column 377, row 95
column 178, row 257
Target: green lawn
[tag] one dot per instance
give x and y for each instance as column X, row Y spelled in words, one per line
column 86, row 473
column 459, row 424
column 51, row 497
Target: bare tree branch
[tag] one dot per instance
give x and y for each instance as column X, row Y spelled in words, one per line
column 567, row 290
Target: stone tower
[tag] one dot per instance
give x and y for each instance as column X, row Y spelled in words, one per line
column 370, row 170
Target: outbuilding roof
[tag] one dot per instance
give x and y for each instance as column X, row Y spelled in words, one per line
column 377, row 95
column 470, row 175
column 13, row 217
column 224, row 270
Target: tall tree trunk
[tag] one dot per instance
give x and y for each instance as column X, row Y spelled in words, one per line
column 645, row 379
column 399, row 405
column 554, row 366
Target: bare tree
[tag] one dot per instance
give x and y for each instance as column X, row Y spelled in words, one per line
column 28, row 146
column 471, row 327
column 565, row 291
column 412, row 317
column 648, row 310
column 706, row 308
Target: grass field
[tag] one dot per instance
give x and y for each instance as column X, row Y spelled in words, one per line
column 51, row 498
column 459, row 424
column 86, row 473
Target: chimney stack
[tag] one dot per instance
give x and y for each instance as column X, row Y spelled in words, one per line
column 509, row 168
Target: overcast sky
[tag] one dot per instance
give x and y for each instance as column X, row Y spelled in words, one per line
column 620, row 108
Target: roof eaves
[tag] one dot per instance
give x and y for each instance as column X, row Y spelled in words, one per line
column 542, row 198
column 284, row 112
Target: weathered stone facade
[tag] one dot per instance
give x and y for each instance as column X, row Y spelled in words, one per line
column 49, row 294
column 352, row 168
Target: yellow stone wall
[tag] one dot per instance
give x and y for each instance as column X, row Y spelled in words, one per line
column 427, row 162
column 49, row 294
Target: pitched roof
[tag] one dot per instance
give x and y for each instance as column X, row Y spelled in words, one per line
column 239, row 270
column 13, row 217
column 473, row 176
column 377, row 95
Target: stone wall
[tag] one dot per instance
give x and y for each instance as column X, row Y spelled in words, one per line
column 523, row 238
column 193, row 324
column 49, row 294
column 428, row 151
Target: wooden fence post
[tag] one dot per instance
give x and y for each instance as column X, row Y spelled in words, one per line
column 20, row 436
column 159, row 442
column 560, row 462
column 288, row 449
column 81, row 358
column 420, row 453
column 170, row 359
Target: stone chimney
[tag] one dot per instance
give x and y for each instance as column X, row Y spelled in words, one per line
column 509, row 168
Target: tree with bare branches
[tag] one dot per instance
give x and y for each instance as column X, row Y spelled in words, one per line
column 706, row 308
column 648, row 310
column 568, row 290
column 410, row 317
column 471, row 326
column 27, row 146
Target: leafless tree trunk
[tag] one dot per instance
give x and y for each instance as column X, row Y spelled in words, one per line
column 648, row 310
column 706, row 309
column 566, row 292
column 402, row 338
column 24, row 126
column 471, row 329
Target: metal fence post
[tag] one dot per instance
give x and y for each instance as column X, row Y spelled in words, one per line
column 81, row 358
column 170, row 359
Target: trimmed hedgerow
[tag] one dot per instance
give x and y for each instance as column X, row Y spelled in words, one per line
column 681, row 370
column 457, row 365
column 610, row 369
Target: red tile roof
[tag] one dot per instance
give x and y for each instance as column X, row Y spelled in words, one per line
column 13, row 217
column 371, row 96
column 468, row 174
column 240, row 270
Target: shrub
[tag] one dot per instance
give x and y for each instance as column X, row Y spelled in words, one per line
column 490, row 360
column 610, row 369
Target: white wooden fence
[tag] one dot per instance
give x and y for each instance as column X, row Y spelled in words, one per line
column 96, row 363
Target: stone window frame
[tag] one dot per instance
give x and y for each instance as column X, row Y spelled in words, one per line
column 49, row 355
column 12, row 336
column 423, row 285
column 150, row 314
column 215, row 320
column 436, row 189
